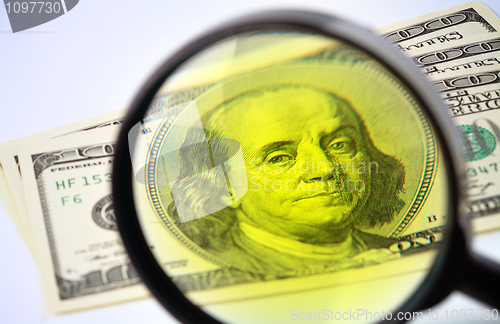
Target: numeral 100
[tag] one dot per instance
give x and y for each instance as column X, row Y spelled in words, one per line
column 24, row 7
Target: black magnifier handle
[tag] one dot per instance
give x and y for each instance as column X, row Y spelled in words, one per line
column 465, row 271
column 481, row 279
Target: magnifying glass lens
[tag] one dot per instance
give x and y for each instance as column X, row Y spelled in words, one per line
column 281, row 175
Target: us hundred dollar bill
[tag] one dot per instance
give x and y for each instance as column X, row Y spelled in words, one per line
column 67, row 185
column 473, row 101
column 465, row 55
column 11, row 189
column 447, row 26
column 466, row 75
column 463, row 69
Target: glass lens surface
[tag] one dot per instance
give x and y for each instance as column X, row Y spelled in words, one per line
column 283, row 176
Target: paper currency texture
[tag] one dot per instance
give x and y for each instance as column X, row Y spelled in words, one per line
column 67, row 185
column 466, row 74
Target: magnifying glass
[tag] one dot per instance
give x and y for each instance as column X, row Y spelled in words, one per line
column 291, row 166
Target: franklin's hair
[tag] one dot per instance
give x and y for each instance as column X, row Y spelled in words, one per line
column 381, row 206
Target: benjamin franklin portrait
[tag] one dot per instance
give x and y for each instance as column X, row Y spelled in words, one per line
column 304, row 171
column 315, row 181
column 309, row 166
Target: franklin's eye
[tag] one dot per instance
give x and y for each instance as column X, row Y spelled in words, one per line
column 338, row 145
column 343, row 145
column 279, row 158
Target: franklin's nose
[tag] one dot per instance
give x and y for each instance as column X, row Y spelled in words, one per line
column 313, row 164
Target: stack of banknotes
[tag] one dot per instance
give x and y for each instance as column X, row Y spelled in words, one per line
column 66, row 217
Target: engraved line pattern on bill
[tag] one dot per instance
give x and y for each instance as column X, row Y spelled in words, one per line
column 159, row 105
column 471, row 93
column 431, row 59
column 484, row 207
column 468, row 81
column 438, row 23
column 427, row 181
column 224, row 277
column 465, row 102
column 114, row 122
column 171, row 103
column 45, row 160
column 92, row 282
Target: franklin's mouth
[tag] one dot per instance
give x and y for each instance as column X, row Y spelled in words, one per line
column 325, row 194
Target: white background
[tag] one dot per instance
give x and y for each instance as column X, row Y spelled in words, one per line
column 93, row 60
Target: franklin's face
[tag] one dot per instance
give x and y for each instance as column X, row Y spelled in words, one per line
column 304, row 156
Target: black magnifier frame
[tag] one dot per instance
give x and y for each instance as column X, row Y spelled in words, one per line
column 455, row 266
